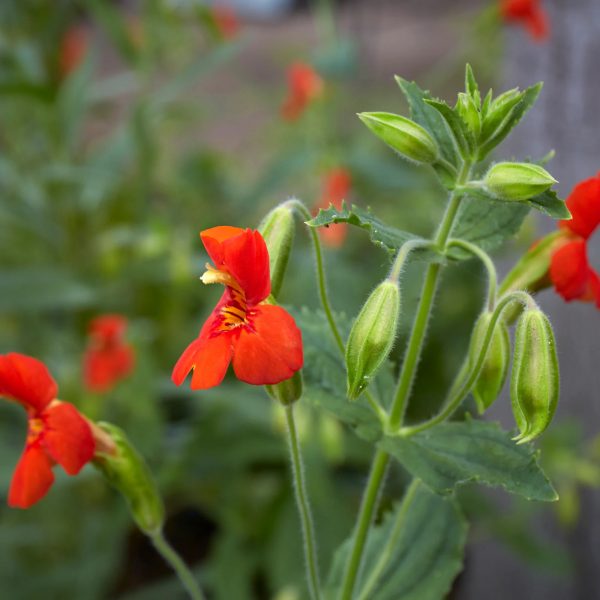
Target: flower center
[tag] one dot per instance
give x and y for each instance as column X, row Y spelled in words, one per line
column 235, row 312
column 36, row 426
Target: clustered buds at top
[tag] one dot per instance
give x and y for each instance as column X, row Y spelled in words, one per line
column 535, row 382
column 528, row 13
column 57, row 433
column 261, row 340
column 128, row 473
column 408, row 138
column 517, row 181
column 108, row 358
column 336, row 188
column 372, row 336
column 277, row 229
column 495, row 366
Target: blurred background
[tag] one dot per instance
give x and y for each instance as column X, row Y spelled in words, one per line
column 128, row 127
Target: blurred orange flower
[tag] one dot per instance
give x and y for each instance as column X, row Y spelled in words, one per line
column 336, row 188
column 72, row 50
column 529, row 14
column 304, row 86
column 226, row 21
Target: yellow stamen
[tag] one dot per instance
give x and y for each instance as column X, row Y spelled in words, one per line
column 212, row 275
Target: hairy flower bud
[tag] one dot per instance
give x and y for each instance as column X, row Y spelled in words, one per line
column 127, row 472
column 277, row 229
column 372, row 336
column 535, row 377
column 495, row 365
column 403, row 135
column 287, row 392
column 517, row 181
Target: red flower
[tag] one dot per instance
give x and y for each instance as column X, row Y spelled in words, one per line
column 570, row 270
column 528, row 13
column 226, row 21
column 72, row 50
column 335, row 189
column 108, row 358
column 57, row 433
column 304, row 86
column 262, row 340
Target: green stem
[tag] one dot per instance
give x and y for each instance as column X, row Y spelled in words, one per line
column 487, row 263
column 367, row 509
column 458, row 396
column 388, row 549
column 308, row 530
column 402, row 256
column 181, row 569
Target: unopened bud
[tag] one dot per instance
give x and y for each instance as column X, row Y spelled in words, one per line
column 287, row 392
column 403, row 135
column 535, row 377
column 517, row 181
column 277, row 229
column 372, row 336
column 128, row 473
column 495, row 365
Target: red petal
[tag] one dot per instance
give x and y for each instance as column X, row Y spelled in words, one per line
column 569, row 270
column 32, row 478
column 272, row 352
column 26, row 380
column 67, row 437
column 108, row 327
column 103, row 367
column 584, row 204
column 244, row 255
column 594, row 283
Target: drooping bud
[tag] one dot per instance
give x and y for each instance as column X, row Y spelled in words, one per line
column 277, row 229
column 372, row 336
column 517, row 181
column 495, row 365
column 469, row 113
column 287, row 392
column 535, row 381
column 128, row 473
column 403, row 135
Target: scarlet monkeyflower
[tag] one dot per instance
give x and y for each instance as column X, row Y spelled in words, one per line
column 528, row 13
column 261, row 339
column 108, row 358
column 226, row 21
column 57, row 433
column 570, row 270
column 304, row 86
column 336, row 188
column 72, row 50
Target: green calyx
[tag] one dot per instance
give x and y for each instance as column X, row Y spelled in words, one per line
column 517, row 181
column 287, row 392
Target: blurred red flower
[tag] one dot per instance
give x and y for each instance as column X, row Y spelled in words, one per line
column 262, row 340
column 570, row 270
column 226, row 21
column 529, row 14
column 57, row 433
column 108, row 358
column 336, row 188
column 304, row 86
column 72, row 50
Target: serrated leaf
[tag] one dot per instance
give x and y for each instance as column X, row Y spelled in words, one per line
column 417, row 550
column 550, row 204
column 325, row 374
column 455, row 123
column 451, row 454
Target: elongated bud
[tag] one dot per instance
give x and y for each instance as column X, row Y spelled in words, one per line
column 535, row 377
column 127, row 472
column 277, row 229
column 287, row 392
column 403, row 135
column 495, row 366
column 517, row 181
column 469, row 113
column 372, row 336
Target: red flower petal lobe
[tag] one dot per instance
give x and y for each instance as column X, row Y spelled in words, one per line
column 67, row 437
column 32, row 477
column 103, row 367
column 584, row 204
column 269, row 351
column 569, row 270
column 26, row 380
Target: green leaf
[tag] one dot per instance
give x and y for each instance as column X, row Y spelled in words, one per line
column 417, row 551
column 325, row 375
column 455, row 123
column 471, row 86
column 550, row 204
column 455, row 453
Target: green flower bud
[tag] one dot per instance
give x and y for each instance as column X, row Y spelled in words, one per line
column 535, row 382
column 287, row 392
column 127, row 472
column 372, row 336
column 467, row 109
column 495, row 366
column 277, row 229
column 403, row 135
column 517, row 181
